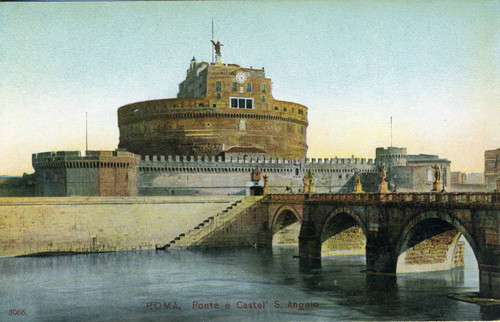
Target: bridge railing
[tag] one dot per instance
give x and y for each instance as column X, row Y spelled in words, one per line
column 451, row 198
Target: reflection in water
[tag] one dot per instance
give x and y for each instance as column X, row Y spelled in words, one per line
column 118, row 286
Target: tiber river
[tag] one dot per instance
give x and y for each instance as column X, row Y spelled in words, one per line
column 226, row 285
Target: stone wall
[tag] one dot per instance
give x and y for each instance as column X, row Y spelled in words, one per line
column 98, row 224
column 173, row 175
column 93, row 173
column 491, row 167
column 17, row 186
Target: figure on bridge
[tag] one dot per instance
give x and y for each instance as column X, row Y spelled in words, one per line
column 309, row 183
column 383, row 184
column 437, row 176
column 266, row 185
column 358, row 187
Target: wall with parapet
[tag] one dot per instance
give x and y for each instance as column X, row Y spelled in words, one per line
column 189, row 175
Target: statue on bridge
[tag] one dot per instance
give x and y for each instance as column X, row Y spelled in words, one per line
column 358, row 187
column 383, row 184
column 437, row 181
column 309, row 183
column 266, row 185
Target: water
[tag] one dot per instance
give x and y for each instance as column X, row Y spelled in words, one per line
column 128, row 286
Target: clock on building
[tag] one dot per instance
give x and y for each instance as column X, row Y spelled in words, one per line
column 241, row 77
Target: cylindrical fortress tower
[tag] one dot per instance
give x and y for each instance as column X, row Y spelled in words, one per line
column 391, row 156
column 218, row 106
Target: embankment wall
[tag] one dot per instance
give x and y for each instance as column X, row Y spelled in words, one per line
column 99, row 224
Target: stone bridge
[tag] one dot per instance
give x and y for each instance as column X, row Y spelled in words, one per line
column 392, row 223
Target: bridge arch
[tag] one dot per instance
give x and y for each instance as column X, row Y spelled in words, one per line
column 339, row 220
column 428, row 224
column 284, row 215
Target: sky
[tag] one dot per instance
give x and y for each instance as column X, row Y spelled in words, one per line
column 433, row 66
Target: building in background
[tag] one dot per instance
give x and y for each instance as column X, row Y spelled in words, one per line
column 218, row 106
column 223, row 125
column 491, row 167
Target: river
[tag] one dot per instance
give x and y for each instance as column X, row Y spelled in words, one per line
column 227, row 285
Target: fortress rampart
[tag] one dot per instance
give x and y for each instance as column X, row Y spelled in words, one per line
column 195, row 126
column 208, row 175
column 95, row 173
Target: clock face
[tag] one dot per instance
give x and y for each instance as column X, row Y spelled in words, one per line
column 241, row 77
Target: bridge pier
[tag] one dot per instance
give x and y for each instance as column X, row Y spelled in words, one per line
column 381, row 256
column 309, row 242
column 489, row 281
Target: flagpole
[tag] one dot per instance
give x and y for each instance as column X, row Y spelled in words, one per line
column 391, row 131
column 86, row 133
column 212, row 39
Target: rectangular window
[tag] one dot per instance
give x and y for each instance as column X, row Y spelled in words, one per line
column 263, row 88
column 276, row 108
column 301, row 112
column 241, row 102
column 263, row 98
column 234, row 87
column 218, row 96
column 218, row 86
column 249, row 87
column 284, row 109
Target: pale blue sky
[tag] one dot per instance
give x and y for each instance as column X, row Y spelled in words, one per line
column 434, row 66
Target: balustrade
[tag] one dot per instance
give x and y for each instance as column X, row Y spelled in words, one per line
column 444, row 198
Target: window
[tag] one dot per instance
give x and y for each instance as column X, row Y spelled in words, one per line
column 240, row 102
column 276, row 108
column 284, row 109
column 301, row 112
column 263, row 98
column 218, row 96
column 263, row 88
column 218, row 86
column 249, row 87
column 234, row 87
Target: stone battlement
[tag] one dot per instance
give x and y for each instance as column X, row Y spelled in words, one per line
column 255, row 160
column 85, row 159
column 79, row 155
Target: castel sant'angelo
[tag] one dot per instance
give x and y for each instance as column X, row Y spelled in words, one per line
column 217, row 137
column 218, row 106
